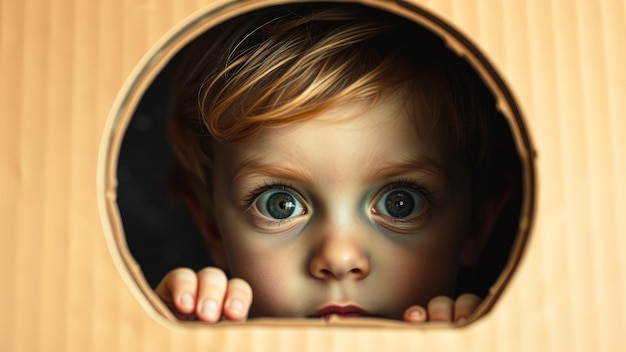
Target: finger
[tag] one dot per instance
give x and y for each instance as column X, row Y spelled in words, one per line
column 238, row 300
column 211, row 292
column 177, row 290
column 415, row 314
column 440, row 308
column 465, row 305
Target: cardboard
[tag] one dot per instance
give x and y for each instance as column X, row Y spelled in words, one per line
column 71, row 71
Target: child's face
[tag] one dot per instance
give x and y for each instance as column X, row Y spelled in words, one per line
column 353, row 208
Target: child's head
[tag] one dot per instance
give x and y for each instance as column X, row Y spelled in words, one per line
column 333, row 154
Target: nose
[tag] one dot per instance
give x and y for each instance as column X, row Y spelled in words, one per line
column 339, row 258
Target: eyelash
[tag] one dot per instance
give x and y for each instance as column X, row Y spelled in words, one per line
column 284, row 186
column 255, row 193
column 414, row 184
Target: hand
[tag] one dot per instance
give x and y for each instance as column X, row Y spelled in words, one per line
column 445, row 309
column 207, row 294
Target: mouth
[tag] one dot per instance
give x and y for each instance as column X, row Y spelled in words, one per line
column 349, row 311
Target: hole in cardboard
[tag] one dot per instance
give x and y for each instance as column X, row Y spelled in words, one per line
column 151, row 233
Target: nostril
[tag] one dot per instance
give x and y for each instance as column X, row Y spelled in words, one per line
column 327, row 273
column 359, row 273
column 339, row 274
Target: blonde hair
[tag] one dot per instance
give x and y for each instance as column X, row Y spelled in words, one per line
column 285, row 64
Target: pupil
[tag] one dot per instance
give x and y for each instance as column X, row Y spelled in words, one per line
column 281, row 205
column 399, row 204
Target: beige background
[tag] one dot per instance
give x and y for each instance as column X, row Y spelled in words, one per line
column 63, row 62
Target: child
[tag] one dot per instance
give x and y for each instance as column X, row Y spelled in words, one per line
column 338, row 161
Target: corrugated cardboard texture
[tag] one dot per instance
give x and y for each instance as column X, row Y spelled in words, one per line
column 62, row 64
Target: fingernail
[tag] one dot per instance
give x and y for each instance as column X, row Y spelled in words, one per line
column 209, row 309
column 187, row 301
column 416, row 314
column 236, row 306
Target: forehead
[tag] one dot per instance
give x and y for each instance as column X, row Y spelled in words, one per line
column 346, row 139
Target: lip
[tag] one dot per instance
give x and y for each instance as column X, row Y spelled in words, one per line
column 347, row 311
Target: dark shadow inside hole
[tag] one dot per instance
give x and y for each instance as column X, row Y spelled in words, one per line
column 160, row 232
column 497, row 251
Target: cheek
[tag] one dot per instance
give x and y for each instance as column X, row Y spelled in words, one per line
column 280, row 288
column 269, row 267
column 417, row 276
column 272, row 283
column 415, row 269
column 274, row 272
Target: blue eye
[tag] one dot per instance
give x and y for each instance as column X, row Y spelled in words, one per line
column 279, row 204
column 401, row 203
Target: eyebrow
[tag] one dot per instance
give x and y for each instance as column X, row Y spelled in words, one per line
column 422, row 164
column 256, row 166
column 301, row 175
